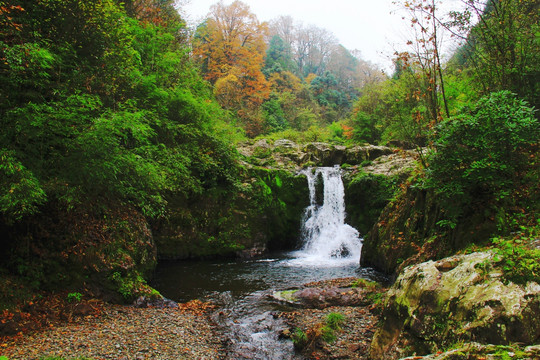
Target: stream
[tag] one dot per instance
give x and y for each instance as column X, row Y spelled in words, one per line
column 242, row 289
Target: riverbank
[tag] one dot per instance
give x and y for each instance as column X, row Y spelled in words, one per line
column 124, row 332
column 333, row 319
column 97, row 330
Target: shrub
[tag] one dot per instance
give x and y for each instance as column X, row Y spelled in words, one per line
column 483, row 155
column 74, row 297
column 299, row 338
column 334, row 320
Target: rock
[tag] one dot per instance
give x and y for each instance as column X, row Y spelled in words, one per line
column 479, row 351
column 263, row 143
column 394, row 164
column 284, row 143
column 256, row 251
column 358, row 154
column 433, row 305
column 286, row 154
column 286, row 296
column 159, row 303
column 407, row 232
column 323, row 154
column 321, row 298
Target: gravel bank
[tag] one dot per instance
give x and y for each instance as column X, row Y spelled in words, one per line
column 125, row 333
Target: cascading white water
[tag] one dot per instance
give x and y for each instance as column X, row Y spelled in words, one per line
column 327, row 238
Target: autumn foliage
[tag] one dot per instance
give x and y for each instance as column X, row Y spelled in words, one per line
column 231, row 49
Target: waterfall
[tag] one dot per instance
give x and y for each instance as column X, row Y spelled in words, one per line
column 326, row 237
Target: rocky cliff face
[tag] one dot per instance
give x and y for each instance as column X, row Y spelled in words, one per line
column 464, row 298
column 263, row 214
column 411, row 230
column 285, row 154
column 371, row 173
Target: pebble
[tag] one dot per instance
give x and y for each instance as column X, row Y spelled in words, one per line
column 122, row 332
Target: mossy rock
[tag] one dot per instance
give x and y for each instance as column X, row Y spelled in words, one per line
column 263, row 214
column 411, row 230
column 476, row 351
column 463, row 298
column 106, row 249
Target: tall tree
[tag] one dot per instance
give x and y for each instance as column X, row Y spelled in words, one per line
column 231, row 47
column 426, row 53
column 502, row 45
column 278, row 56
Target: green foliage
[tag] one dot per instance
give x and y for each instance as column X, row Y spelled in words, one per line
column 327, row 334
column 333, row 323
column 74, row 297
column 102, row 109
column 328, row 94
column 392, row 110
column 274, row 116
column 97, row 103
column 365, row 128
column 129, row 285
column 20, row 191
column 516, row 258
column 502, row 49
column 483, row 155
column 334, row 320
column 278, row 57
column 299, row 338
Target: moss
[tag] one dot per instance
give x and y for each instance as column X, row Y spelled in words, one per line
column 287, row 295
column 366, row 197
column 264, row 212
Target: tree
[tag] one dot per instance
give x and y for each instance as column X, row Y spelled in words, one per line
column 485, row 156
column 501, row 45
column 278, row 57
column 426, row 55
column 231, row 47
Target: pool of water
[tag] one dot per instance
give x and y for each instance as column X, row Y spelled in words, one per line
column 242, row 289
column 187, row 280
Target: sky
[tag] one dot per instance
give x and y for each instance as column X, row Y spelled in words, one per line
column 374, row 27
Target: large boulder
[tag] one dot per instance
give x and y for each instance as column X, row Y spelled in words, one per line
column 436, row 304
column 478, row 351
column 323, row 154
column 358, row 154
column 323, row 297
column 106, row 249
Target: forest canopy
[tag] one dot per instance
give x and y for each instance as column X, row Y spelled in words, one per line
column 116, row 116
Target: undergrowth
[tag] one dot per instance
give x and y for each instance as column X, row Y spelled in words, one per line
column 518, row 257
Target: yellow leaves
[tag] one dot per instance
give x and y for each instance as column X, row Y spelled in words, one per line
column 233, row 52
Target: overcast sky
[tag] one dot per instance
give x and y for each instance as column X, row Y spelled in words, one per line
column 375, row 27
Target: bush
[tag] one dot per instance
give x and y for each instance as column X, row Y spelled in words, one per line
column 334, row 320
column 484, row 155
column 299, row 338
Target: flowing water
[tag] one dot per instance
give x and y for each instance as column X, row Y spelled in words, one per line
column 331, row 250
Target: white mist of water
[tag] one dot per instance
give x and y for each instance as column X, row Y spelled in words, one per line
column 328, row 240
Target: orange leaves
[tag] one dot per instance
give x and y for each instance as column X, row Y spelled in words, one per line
column 231, row 49
column 348, row 131
column 196, row 307
column 6, row 19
